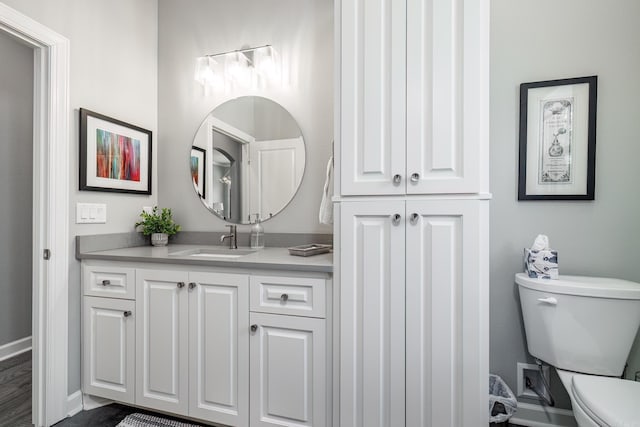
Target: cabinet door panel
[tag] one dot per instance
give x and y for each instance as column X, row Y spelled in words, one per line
column 288, row 371
column 372, row 299
column 447, row 328
column 162, row 339
column 447, row 100
column 372, row 100
column 219, row 348
column 108, row 346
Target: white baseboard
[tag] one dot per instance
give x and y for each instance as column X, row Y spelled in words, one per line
column 531, row 415
column 74, row 403
column 15, row 348
column 92, row 402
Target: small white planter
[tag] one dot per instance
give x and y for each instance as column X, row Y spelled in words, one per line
column 159, row 239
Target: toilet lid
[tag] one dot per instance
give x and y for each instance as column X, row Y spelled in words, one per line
column 609, row 401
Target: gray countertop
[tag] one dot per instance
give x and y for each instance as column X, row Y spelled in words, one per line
column 267, row 258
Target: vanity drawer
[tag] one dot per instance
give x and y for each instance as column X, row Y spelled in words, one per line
column 298, row 296
column 107, row 281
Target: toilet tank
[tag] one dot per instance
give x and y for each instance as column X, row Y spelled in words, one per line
column 581, row 324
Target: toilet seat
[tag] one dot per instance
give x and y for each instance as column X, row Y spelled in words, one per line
column 610, row 402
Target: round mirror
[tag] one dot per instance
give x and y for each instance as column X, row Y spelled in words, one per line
column 247, row 159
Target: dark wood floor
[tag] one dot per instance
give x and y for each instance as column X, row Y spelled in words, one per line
column 15, row 391
column 15, row 401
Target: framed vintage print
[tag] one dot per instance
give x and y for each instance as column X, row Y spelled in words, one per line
column 114, row 156
column 558, row 139
column 198, row 162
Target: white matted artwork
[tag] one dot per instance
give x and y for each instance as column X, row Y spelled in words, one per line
column 114, row 156
column 557, row 139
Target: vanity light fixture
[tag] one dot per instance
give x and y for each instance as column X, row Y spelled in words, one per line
column 252, row 67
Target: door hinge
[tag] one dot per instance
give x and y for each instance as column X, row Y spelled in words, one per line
column 46, row 254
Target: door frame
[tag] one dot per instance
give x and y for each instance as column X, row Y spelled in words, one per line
column 50, row 213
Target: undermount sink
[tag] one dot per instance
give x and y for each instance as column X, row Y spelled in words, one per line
column 212, row 253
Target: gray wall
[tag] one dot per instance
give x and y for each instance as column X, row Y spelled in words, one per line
column 542, row 40
column 16, row 149
column 302, row 31
column 113, row 69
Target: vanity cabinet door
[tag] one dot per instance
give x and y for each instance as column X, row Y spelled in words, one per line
column 288, row 371
column 162, row 362
column 108, row 348
column 219, row 348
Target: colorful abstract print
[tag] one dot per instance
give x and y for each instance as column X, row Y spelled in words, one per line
column 117, row 156
column 194, row 169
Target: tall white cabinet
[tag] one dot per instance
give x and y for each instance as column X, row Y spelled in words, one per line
column 412, row 212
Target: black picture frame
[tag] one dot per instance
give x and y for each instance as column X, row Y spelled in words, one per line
column 199, row 170
column 558, row 139
column 115, row 156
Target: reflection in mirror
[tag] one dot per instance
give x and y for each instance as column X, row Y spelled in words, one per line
column 256, row 160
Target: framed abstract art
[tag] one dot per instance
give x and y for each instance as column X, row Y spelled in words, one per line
column 114, row 156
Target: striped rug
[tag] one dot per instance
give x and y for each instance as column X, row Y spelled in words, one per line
column 143, row 420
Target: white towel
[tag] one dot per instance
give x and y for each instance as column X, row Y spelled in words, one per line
column 326, row 206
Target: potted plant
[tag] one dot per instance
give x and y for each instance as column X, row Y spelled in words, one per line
column 158, row 224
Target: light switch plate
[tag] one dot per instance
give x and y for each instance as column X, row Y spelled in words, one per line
column 91, row 213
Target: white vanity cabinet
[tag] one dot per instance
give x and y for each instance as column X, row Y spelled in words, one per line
column 413, row 96
column 162, row 339
column 184, row 343
column 109, row 348
column 288, row 356
column 192, row 344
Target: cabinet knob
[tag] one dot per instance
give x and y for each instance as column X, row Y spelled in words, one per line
column 106, row 282
column 192, row 285
column 415, row 177
column 180, row 285
column 397, row 178
column 395, row 219
column 414, row 218
column 284, row 297
column 254, row 328
column 127, row 313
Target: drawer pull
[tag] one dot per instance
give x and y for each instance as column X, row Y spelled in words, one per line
column 106, row 282
column 180, row 285
column 254, row 328
column 192, row 285
column 284, row 297
column 397, row 178
column 414, row 218
column 127, row 313
column 395, row 219
column 415, row 177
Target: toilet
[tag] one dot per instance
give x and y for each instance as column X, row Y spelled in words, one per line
column 585, row 327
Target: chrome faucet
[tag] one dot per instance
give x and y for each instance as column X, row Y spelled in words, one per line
column 232, row 236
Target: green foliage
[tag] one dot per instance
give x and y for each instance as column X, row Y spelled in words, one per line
column 157, row 222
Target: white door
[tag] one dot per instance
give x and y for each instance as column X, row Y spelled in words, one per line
column 162, row 338
column 108, row 348
column 447, row 313
column 288, row 371
column 219, row 348
column 275, row 168
column 447, row 95
column 372, row 300
column 372, row 96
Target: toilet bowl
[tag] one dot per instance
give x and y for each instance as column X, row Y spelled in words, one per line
column 585, row 327
column 602, row 401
